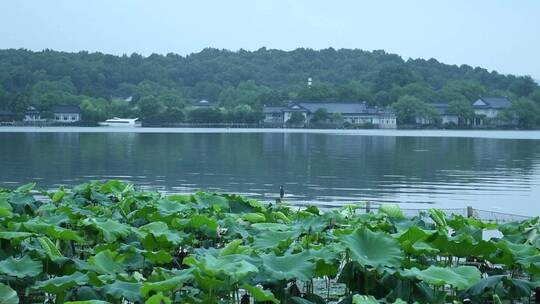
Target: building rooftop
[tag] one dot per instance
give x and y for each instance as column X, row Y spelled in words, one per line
column 495, row 102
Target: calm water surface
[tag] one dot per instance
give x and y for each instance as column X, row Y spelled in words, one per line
column 493, row 170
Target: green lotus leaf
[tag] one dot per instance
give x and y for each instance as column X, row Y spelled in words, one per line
column 161, row 232
column 52, row 230
column 499, row 284
column 412, row 241
column 211, row 201
column 123, row 290
column 5, row 207
column 440, row 220
column 157, row 257
column 510, row 252
column 271, row 227
column 207, row 225
column 460, row 277
column 359, row 299
column 323, row 268
column 8, row 295
column 84, row 293
column 230, row 266
column 259, row 294
column 298, row 300
column 179, row 198
column 158, row 298
column 168, row 207
column 106, row 262
column 113, row 186
column 58, row 285
column 58, row 196
column 181, row 277
column 281, row 216
column 22, row 203
column 26, row 188
column 462, row 246
column 374, row 249
column 20, row 268
column 15, row 235
column 484, row 286
column 413, row 234
column 87, row 302
column 288, row 267
column 254, row 217
column 50, row 248
column 232, row 248
column 424, row 248
column 111, row 230
column 391, row 210
column 272, row 239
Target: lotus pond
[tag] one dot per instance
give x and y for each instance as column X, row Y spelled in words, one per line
column 110, row 243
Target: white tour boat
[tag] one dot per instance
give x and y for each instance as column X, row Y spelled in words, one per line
column 121, row 122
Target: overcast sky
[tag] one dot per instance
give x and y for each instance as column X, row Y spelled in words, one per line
column 503, row 35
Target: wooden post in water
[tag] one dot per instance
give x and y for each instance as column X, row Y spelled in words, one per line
column 470, row 211
column 368, row 207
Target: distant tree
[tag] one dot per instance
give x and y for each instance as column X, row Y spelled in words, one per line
column 337, row 118
column 205, row 115
column 389, row 76
column 463, row 109
column 408, row 108
column 150, row 109
column 95, row 109
column 163, row 85
column 461, row 89
column 296, row 118
column 243, row 114
column 523, row 86
column 526, row 112
column 535, row 96
column 320, row 115
column 382, row 98
column 317, row 92
column 173, row 115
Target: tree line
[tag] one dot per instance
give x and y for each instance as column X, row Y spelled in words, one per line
column 240, row 83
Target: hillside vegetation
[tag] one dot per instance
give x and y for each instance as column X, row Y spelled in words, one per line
column 163, row 86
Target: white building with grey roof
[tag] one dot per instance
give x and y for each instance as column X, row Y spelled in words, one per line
column 355, row 113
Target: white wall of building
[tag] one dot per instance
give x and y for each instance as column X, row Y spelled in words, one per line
column 67, row 117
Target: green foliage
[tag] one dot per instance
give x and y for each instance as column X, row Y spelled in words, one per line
column 296, row 118
column 163, row 86
column 108, row 242
column 8, row 295
column 408, row 108
column 20, row 268
column 320, row 115
column 373, row 249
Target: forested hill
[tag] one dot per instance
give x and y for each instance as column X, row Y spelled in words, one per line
column 163, row 86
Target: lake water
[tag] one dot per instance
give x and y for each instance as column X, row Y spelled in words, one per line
column 491, row 170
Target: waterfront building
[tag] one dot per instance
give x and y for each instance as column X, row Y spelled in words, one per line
column 32, row 115
column 359, row 113
column 67, row 114
column 487, row 108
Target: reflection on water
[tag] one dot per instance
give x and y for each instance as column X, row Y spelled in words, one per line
column 328, row 169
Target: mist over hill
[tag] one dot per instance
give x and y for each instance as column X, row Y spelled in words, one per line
column 163, row 86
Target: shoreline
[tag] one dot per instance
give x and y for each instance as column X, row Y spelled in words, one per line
column 494, row 134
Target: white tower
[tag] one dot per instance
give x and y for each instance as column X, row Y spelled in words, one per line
column 309, row 82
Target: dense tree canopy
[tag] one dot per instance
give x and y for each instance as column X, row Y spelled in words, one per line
column 163, row 87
